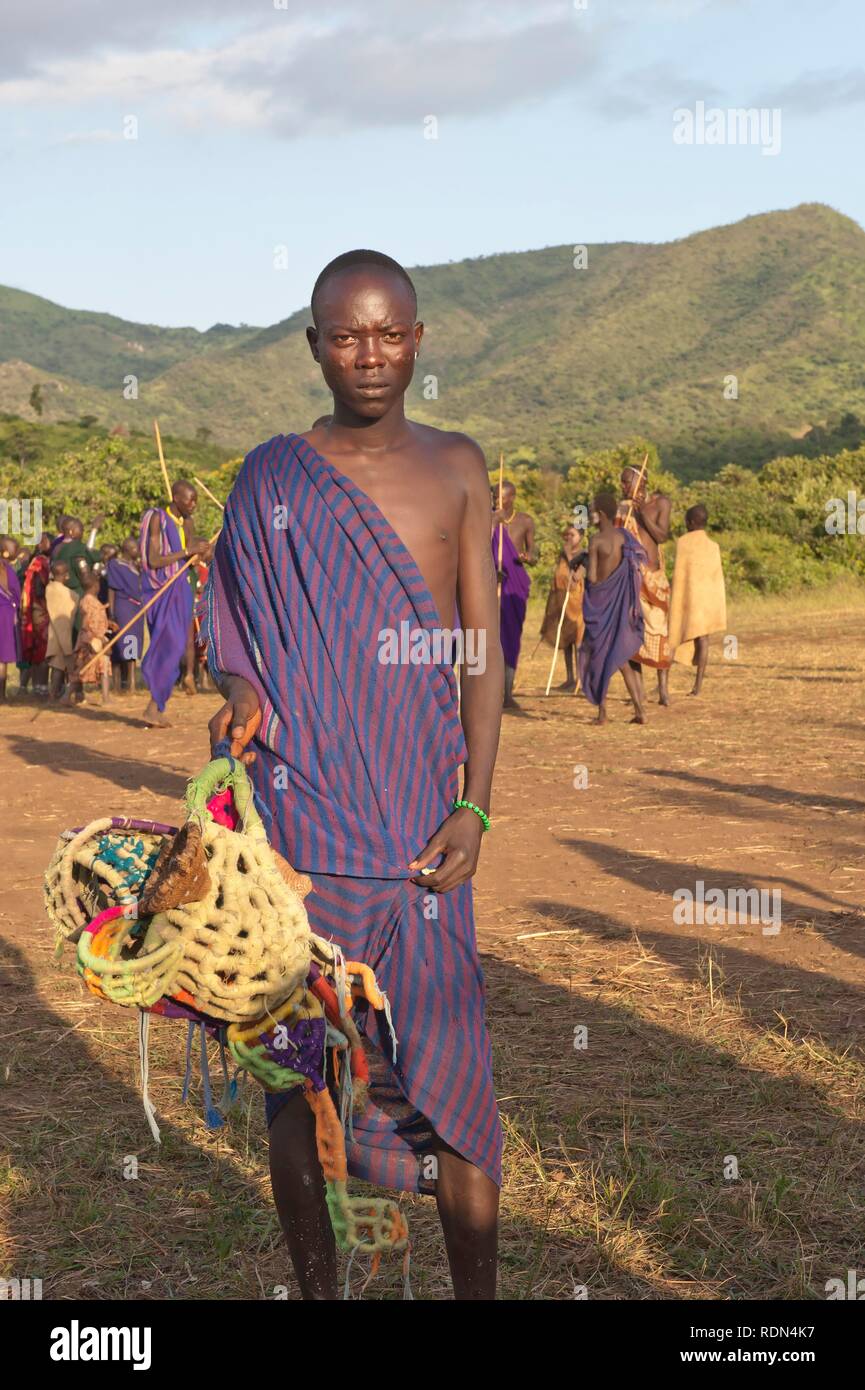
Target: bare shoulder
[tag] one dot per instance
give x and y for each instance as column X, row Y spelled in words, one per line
column 459, row 451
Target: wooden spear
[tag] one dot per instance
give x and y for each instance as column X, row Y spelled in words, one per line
column 162, row 458
column 205, row 488
column 640, row 476
column 559, row 631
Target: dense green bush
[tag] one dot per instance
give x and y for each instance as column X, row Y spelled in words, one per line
column 770, row 524
column 116, row 477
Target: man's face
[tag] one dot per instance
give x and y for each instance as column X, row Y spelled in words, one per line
column 630, row 480
column 184, row 501
column 60, row 573
column 75, row 531
column 366, row 338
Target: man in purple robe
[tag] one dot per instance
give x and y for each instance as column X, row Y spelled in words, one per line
column 611, row 609
column 10, row 602
column 334, row 542
column 514, row 539
column 165, row 543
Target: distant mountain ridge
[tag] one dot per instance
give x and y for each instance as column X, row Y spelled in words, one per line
column 724, row 345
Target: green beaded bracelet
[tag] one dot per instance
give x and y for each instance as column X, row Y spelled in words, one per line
column 470, row 806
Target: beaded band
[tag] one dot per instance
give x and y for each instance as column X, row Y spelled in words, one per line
column 470, row 806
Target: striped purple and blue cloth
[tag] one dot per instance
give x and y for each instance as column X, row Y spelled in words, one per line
column 169, row 619
column 358, row 763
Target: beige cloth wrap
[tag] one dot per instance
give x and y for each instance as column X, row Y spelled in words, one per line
column 62, row 605
column 699, row 602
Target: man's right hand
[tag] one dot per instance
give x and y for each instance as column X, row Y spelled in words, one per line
column 238, row 719
column 199, row 547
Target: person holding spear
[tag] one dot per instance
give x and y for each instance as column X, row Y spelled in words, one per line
column 563, row 624
column 647, row 517
column 166, row 544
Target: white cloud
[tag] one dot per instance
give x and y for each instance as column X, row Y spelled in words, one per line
column 817, row 91
column 301, row 76
column 310, row 70
column 656, row 87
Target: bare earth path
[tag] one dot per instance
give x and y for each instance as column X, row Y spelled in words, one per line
column 682, row 1103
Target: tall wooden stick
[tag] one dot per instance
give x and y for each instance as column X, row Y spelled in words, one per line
column 559, row 632
column 501, row 527
column 162, row 458
column 140, row 614
column 640, row 476
column 206, row 489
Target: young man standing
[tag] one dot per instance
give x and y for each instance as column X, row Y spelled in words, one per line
column 515, row 532
column 332, row 540
column 166, row 542
column 648, row 519
column 699, row 603
column 613, row 617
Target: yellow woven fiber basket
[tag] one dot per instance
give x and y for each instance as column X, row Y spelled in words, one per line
column 246, row 945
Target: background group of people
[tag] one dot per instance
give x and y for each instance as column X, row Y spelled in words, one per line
column 63, row 601
column 611, row 606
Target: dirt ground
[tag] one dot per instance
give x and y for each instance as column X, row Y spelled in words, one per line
column 701, row 1138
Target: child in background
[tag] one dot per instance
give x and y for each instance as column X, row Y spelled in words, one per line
column 93, row 631
column 123, row 573
column 62, row 604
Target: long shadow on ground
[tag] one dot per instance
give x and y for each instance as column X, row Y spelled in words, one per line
column 68, row 759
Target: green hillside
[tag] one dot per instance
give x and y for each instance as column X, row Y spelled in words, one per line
column 98, row 349
column 531, row 354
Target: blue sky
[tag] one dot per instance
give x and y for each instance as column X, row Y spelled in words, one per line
column 303, row 127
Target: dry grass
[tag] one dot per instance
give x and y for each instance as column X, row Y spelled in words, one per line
column 703, row 1048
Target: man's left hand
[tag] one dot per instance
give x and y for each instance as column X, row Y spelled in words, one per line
column 459, row 840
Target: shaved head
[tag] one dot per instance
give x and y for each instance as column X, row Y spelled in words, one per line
column 184, row 497
column 359, row 260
